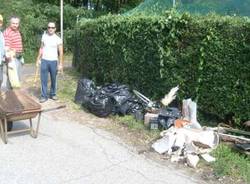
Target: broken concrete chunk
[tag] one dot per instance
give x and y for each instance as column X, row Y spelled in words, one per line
column 208, row 157
column 176, row 158
column 180, row 140
column 164, row 144
column 192, row 160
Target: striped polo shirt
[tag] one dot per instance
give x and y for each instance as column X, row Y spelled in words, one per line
column 13, row 39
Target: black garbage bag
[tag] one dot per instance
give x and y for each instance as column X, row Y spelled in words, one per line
column 100, row 104
column 121, row 96
column 85, row 90
column 167, row 116
column 131, row 106
column 111, row 98
column 120, row 93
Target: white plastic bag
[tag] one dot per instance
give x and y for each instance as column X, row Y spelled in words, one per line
column 13, row 75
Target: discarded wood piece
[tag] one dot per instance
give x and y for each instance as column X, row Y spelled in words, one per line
column 233, row 137
column 242, row 132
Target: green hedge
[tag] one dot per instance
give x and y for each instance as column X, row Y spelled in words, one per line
column 208, row 57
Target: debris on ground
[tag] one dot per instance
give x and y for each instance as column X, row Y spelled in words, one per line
column 170, row 96
column 240, row 138
column 188, row 143
column 108, row 99
column 183, row 138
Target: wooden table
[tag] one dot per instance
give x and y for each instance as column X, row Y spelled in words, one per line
column 16, row 105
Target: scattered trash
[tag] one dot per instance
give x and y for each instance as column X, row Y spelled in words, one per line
column 189, row 113
column 188, row 143
column 150, row 105
column 170, row 96
column 167, row 116
column 148, row 116
column 164, row 144
column 233, row 138
column 104, row 100
column 208, row 157
column 154, row 124
column 244, row 146
column 85, row 90
column 192, row 160
column 100, row 104
column 229, row 134
column 183, row 138
column 179, row 123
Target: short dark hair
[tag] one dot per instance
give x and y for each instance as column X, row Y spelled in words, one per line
column 15, row 17
column 53, row 22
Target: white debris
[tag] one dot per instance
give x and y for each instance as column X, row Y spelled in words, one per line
column 208, row 157
column 188, row 143
column 189, row 111
column 192, row 160
column 164, row 144
column 176, row 158
column 170, row 96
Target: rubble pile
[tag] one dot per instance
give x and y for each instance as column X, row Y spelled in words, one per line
column 185, row 140
column 187, row 144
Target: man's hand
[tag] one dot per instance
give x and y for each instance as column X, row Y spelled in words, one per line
column 60, row 68
column 38, row 62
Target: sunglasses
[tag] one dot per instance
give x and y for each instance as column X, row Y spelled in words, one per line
column 51, row 27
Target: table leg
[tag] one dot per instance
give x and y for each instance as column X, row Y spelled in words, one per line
column 5, row 131
column 2, row 129
column 32, row 132
column 38, row 124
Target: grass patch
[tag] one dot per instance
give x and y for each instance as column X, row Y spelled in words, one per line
column 130, row 122
column 138, row 128
column 231, row 163
column 67, row 84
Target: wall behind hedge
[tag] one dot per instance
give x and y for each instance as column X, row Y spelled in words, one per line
column 208, row 57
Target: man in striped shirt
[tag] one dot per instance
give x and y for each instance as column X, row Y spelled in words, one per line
column 13, row 41
column 2, row 52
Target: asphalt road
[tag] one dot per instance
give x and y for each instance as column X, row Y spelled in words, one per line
column 71, row 153
column 67, row 152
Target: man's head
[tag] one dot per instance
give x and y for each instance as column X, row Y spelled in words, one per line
column 1, row 20
column 14, row 23
column 51, row 28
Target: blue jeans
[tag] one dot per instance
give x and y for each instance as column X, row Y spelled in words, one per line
column 1, row 75
column 48, row 67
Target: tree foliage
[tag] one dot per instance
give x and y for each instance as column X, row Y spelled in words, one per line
column 114, row 6
column 34, row 19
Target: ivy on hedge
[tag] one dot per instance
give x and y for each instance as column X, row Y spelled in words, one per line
column 208, row 57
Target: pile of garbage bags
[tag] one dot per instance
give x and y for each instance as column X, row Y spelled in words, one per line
column 183, row 137
column 108, row 99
